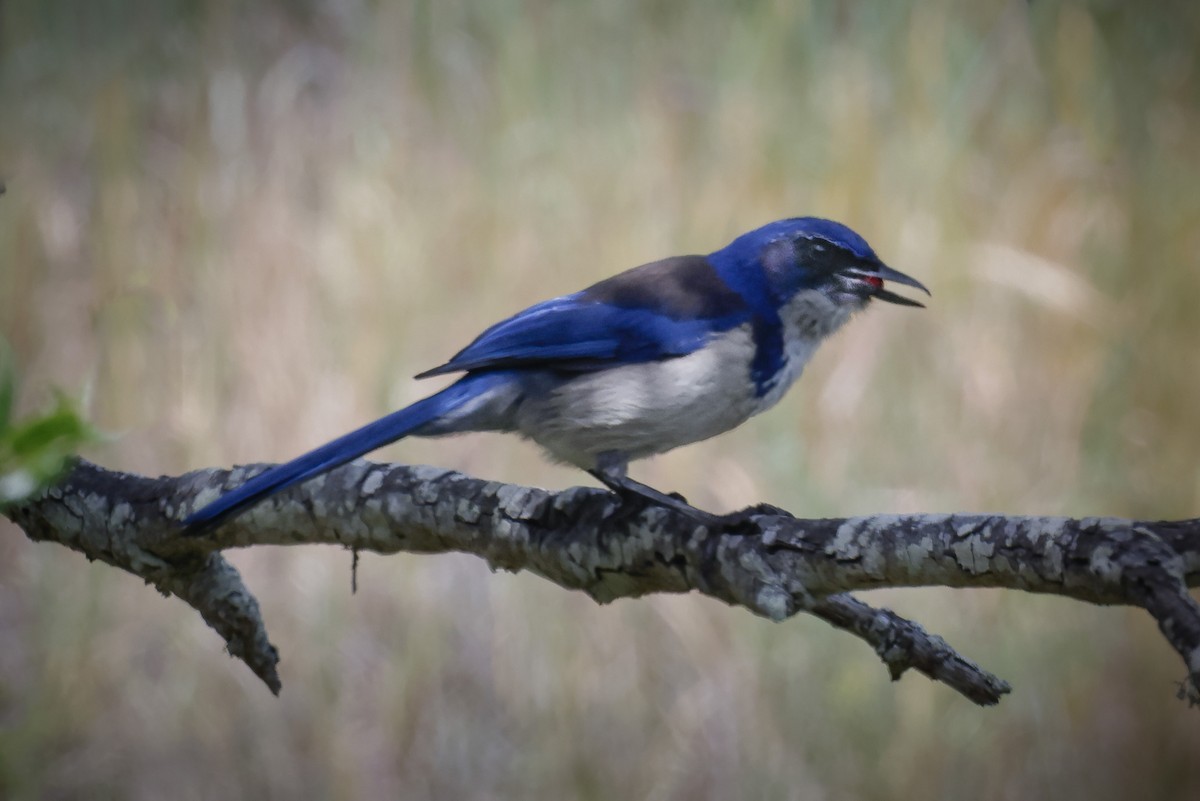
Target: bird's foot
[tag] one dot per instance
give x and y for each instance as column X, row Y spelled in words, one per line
column 636, row 497
column 636, row 501
column 744, row 521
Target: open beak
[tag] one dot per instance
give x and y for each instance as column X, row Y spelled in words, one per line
column 884, row 273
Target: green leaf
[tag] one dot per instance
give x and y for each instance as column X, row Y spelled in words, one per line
column 35, row 451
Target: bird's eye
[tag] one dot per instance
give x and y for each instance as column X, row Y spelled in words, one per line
column 818, row 248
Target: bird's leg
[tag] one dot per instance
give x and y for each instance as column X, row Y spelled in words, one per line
column 610, row 471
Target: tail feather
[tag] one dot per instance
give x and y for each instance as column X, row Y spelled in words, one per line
column 333, row 454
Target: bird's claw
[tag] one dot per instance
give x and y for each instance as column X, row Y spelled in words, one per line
column 744, row 521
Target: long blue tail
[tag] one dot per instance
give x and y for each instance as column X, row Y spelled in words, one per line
column 336, row 453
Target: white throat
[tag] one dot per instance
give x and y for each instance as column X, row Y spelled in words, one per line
column 808, row 319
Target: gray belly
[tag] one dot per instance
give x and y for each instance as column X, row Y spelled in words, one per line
column 642, row 409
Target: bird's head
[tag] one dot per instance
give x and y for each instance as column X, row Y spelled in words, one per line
column 809, row 253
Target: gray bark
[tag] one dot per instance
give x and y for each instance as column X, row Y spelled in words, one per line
column 770, row 563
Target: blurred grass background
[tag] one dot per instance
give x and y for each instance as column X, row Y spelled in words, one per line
column 238, row 228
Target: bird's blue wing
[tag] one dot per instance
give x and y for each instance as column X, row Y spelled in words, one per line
column 657, row 311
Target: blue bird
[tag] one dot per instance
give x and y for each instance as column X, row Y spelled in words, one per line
column 663, row 355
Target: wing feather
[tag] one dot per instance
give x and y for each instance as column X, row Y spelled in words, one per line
column 656, row 311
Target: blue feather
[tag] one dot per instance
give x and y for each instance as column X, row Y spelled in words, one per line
column 341, row 450
column 656, row 311
column 749, row 246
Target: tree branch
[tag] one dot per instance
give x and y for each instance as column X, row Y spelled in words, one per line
column 772, row 564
